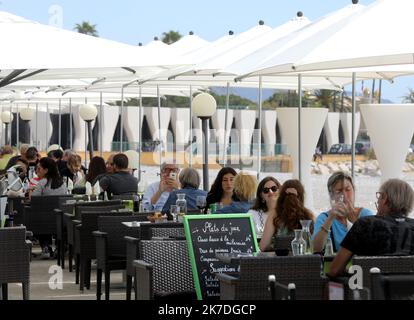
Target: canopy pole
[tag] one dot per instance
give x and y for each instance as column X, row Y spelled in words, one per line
column 259, row 142
column 379, row 90
column 100, row 124
column 140, row 133
column 17, row 125
column 70, row 124
column 121, row 134
column 60, row 122
column 37, row 121
column 300, row 127
column 159, row 124
column 11, row 126
column 353, row 126
column 86, row 139
column 47, row 125
column 190, row 159
column 226, row 118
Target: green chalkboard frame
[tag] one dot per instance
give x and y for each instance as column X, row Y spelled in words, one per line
column 190, row 243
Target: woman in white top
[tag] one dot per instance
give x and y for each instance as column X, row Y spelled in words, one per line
column 265, row 204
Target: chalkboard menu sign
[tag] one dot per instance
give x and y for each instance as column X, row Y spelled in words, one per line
column 208, row 235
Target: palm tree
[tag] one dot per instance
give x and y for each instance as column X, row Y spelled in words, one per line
column 171, row 37
column 409, row 98
column 86, row 28
column 325, row 97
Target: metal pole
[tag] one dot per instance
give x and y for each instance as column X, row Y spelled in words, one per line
column 226, row 118
column 47, row 125
column 89, row 123
column 373, row 90
column 300, row 127
column 11, row 125
column 140, row 134
column 37, row 121
column 6, row 137
column 60, row 122
column 353, row 126
column 100, row 124
column 86, row 146
column 191, row 128
column 70, row 124
column 259, row 142
column 204, row 123
column 17, row 125
column 159, row 123
column 379, row 91
column 122, row 119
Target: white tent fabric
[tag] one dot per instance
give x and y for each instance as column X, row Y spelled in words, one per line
column 346, row 44
column 60, row 50
column 189, row 43
column 266, row 54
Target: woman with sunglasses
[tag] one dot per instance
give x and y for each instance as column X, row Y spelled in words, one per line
column 335, row 223
column 290, row 209
column 265, row 203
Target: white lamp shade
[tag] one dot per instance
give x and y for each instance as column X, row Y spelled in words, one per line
column 133, row 159
column 88, row 112
column 6, row 117
column 27, row 114
column 204, row 105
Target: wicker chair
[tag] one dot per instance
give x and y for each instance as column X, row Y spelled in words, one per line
column 39, row 217
column 252, row 281
column 70, row 220
column 167, row 232
column 164, row 270
column 110, row 248
column 387, row 264
column 147, row 230
column 392, row 286
column 15, row 259
column 17, row 206
column 85, row 246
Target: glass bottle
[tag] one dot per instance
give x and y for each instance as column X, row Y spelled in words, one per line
column 328, row 248
column 181, row 204
column 306, row 234
column 298, row 243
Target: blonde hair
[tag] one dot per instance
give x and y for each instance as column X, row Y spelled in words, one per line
column 75, row 162
column 245, row 186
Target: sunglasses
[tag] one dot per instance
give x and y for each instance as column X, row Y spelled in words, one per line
column 273, row 189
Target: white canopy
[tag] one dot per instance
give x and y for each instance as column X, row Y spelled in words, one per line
column 32, row 46
column 348, row 44
column 189, row 43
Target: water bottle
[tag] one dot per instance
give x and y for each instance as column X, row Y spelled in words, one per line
column 328, row 248
column 31, row 172
column 181, row 204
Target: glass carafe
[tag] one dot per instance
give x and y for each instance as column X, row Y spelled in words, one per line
column 306, row 234
column 298, row 244
column 181, row 204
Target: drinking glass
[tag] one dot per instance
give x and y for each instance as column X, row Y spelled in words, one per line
column 201, row 202
column 174, row 211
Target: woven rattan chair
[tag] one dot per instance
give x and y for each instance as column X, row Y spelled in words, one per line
column 252, row 281
column 164, row 270
column 391, row 286
column 147, row 230
column 167, row 232
column 15, row 259
column 387, row 264
column 111, row 248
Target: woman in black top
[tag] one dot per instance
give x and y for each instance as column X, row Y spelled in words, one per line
column 390, row 232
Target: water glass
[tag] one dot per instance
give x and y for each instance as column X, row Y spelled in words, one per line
column 174, row 211
column 201, row 202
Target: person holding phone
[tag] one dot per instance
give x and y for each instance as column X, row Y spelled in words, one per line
column 335, row 223
column 158, row 192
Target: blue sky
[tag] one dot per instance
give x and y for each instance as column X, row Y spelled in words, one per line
column 134, row 21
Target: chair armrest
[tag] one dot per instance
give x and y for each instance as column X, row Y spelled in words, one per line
column 100, row 234
column 141, row 264
column 131, row 240
column 228, row 279
column 29, row 244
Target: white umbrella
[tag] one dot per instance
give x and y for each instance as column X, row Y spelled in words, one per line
column 189, row 43
column 33, row 47
column 346, row 44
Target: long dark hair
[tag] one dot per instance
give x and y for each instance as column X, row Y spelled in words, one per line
column 216, row 192
column 96, row 167
column 290, row 206
column 260, row 203
column 53, row 177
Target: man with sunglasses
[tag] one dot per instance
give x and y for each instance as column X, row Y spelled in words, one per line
column 158, row 192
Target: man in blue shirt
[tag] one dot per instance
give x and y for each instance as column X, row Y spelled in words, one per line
column 158, row 192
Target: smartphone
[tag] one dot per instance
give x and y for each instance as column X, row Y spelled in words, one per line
column 173, row 175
